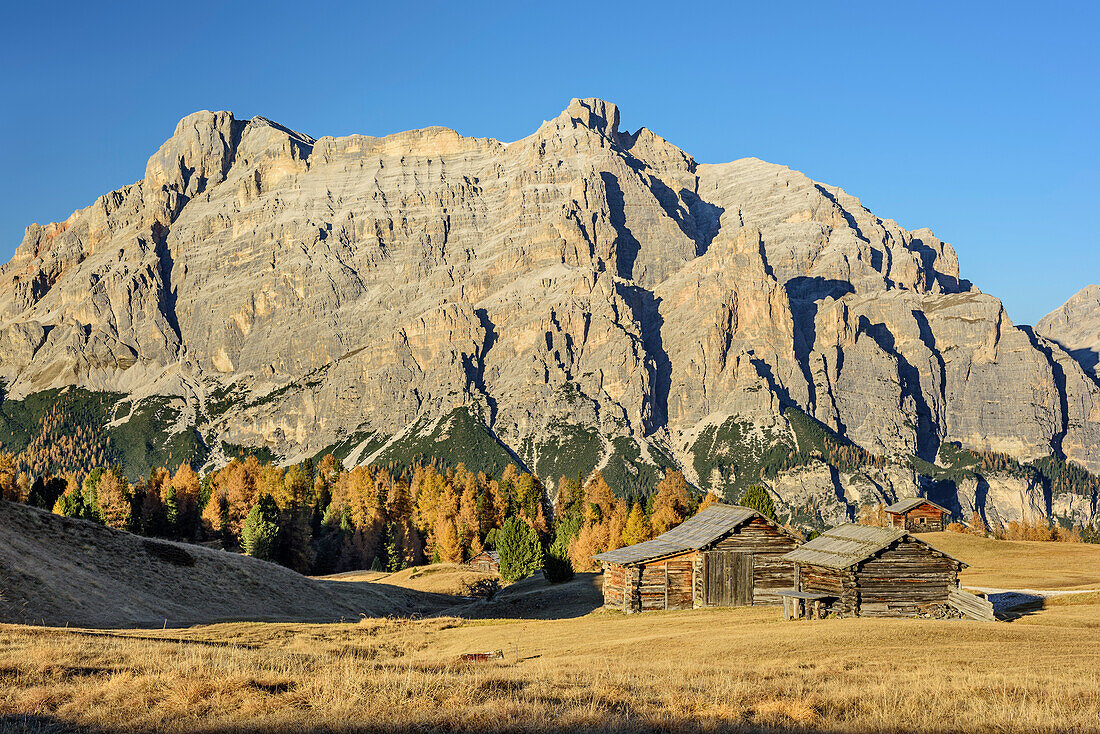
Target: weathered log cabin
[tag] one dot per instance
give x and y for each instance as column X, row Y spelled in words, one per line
column 724, row 556
column 875, row 572
column 917, row 514
column 486, row 560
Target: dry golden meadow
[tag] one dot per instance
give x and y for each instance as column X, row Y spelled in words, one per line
column 720, row 670
column 1021, row 564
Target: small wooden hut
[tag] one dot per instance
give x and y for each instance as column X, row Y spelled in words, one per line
column 875, row 572
column 486, row 560
column 724, row 556
column 917, row 514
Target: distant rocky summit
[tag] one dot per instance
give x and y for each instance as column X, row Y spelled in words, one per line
column 581, row 298
column 1075, row 326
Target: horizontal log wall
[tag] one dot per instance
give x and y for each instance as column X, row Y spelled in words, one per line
column 680, row 580
column 614, row 585
column 933, row 517
column 758, row 536
column 663, row 584
column 904, row 577
column 677, row 582
column 839, row 584
column 666, row 584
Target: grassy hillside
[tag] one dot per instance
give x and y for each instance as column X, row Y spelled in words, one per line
column 730, row 670
column 57, row 571
column 1021, row 564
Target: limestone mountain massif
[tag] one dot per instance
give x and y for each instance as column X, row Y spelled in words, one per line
column 581, row 298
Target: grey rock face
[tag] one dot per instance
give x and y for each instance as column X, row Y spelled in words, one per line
column 1075, row 326
column 345, row 289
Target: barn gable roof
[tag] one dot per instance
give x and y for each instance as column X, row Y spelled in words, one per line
column 490, row 554
column 692, row 534
column 902, row 506
column 847, row 545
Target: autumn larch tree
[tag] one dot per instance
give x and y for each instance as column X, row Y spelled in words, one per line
column 187, row 490
column 115, row 498
column 670, row 503
column 637, row 526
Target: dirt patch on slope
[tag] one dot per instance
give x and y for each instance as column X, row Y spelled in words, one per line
column 61, row 571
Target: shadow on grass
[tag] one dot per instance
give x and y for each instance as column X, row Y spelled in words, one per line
column 536, row 598
column 1009, row 606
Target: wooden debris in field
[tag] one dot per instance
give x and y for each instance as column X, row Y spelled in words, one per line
column 481, row 657
column 971, row 605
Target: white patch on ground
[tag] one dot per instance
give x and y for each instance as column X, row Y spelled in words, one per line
column 1006, row 599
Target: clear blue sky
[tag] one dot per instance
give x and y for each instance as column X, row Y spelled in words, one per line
column 977, row 120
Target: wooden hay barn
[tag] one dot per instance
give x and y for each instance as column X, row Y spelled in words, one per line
column 486, row 560
column 875, row 572
column 724, row 556
column 917, row 514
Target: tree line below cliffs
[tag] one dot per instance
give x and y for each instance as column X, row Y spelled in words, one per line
column 321, row 518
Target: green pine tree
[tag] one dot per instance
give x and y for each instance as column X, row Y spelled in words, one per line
column 90, row 496
column 393, row 559
column 757, row 498
column 558, row 568
column 171, row 511
column 519, row 549
column 1090, row 534
column 260, row 535
column 71, row 504
column 294, row 546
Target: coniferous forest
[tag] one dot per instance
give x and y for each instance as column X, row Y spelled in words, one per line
column 320, row 518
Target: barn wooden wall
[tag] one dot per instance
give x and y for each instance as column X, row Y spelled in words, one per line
column 934, row 519
column 904, row 577
column 678, row 582
column 767, row 544
column 614, row 586
column 664, row 584
column 895, row 583
column 841, row 584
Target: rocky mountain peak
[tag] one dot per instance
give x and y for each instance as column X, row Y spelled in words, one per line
column 1075, row 326
column 197, row 155
column 595, row 114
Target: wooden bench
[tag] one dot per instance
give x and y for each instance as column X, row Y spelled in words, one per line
column 803, row 604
